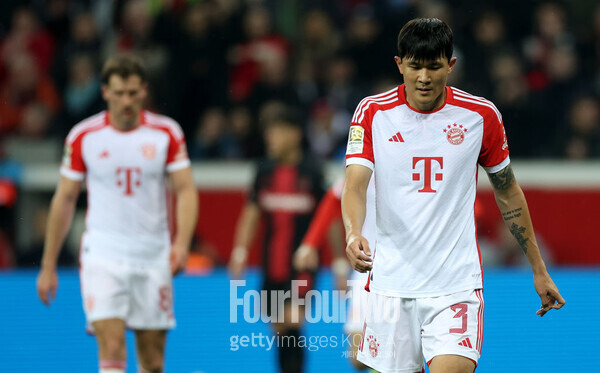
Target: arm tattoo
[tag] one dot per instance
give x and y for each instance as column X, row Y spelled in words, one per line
column 512, row 214
column 502, row 179
column 517, row 231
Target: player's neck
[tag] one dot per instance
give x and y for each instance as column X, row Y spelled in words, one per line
column 291, row 158
column 434, row 105
column 123, row 125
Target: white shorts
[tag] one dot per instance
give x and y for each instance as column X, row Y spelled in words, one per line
column 357, row 305
column 141, row 295
column 400, row 333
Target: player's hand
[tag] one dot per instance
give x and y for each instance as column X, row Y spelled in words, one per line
column 306, row 258
column 178, row 258
column 47, row 283
column 237, row 262
column 548, row 292
column 359, row 253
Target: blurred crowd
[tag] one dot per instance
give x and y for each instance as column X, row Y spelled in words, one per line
column 215, row 65
column 220, row 67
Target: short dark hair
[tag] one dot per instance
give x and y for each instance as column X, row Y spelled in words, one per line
column 123, row 65
column 425, row 39
column 290, row 116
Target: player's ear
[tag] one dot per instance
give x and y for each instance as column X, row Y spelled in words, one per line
column 144, row 90
column 105, row 92
column 451, row 64
column 398, row 61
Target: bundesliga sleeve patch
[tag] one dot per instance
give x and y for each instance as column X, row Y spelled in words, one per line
column 355, row 140
column 66, row 160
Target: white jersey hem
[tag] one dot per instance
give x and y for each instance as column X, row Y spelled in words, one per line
column 360, row 161
column 179, row 165
column 498, row 167
column 424, row 294
column 70, row 174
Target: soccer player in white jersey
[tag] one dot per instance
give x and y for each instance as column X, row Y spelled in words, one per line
column 127, row 257
column 423, row 141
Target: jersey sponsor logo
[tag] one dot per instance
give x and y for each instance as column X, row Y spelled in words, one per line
column 129, row 177
column 67, row 155
column 105, row 154
column 300, row 203
column 356, row 140
column 455, row 133
column 149, row 151
column 373, row 345
column 427, row 173
column 396, row 138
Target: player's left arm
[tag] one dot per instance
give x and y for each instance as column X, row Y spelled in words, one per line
column 186, row 213
column 513, row 206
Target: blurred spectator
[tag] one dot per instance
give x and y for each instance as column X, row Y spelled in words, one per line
column 82, row 96
column 135, row 33
column 83, row 40
column 198, row 74
column 26, row 37
column 213, row 140
column 551, row 32
column 581, row 140
column 327, row 130
column 25, row 85
column 489, row 38
column 318, row 43
column 372, row 54
column 247, row 136
column 261, row 49
column 512, row 96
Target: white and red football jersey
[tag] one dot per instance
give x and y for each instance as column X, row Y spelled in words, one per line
column 125, row 174
column 425, row 167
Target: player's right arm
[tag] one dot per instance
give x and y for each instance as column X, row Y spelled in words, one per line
column 62, row 209
column 244, row 235
column 354, row 202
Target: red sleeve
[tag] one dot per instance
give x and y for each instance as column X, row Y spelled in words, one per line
column 494, row 147
column 360, row 144
column 73, row 165
column 177, row 156
column 328, row 210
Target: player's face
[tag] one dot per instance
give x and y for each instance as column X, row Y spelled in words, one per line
column 425, row 81
column 125, row 98
column 282, row 139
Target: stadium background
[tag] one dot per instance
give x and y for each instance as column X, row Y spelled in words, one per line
column 217, row 67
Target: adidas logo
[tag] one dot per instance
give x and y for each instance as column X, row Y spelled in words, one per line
column 396, row 138
column 465, row 343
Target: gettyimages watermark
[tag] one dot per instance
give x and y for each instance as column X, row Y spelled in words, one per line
column 311, row 343
column 316, row 306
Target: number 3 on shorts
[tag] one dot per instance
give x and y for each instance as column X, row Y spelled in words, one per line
column 165, row 301
column 461, row 311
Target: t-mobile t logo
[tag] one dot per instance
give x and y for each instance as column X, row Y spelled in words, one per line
column 129, row 177
column 427, row 172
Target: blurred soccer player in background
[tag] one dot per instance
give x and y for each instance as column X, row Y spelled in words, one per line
column 423, row 141
column 127, row 257
column 287, row 187
column 327, row 222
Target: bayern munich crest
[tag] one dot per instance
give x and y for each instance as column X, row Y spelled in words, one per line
column 455, row 133
column 373, row 345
